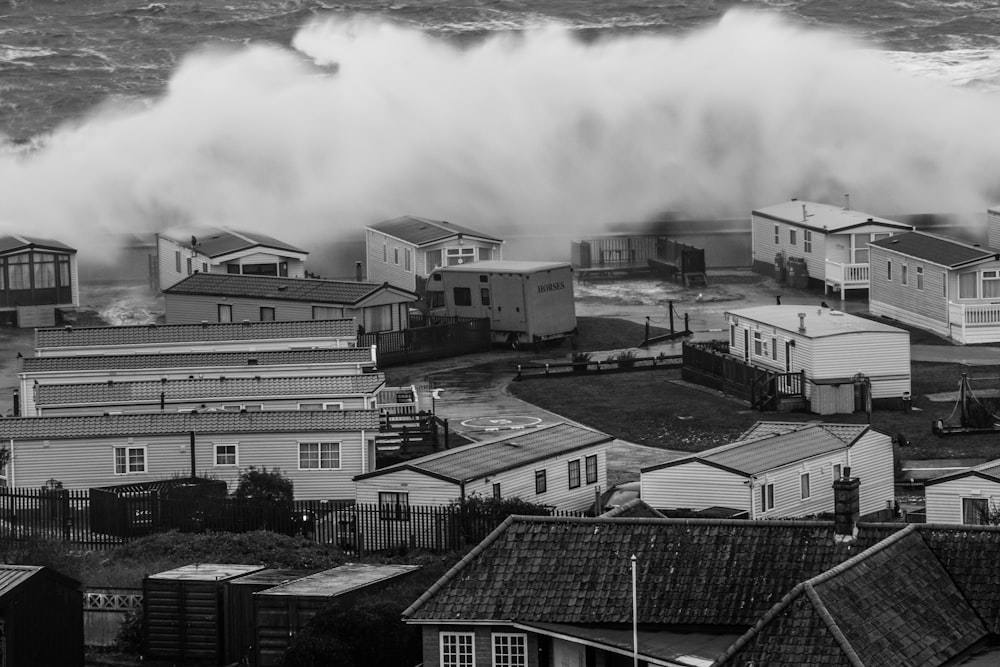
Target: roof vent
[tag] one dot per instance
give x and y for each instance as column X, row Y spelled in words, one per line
column 802, row 322
column 68, row 327
column 246, row 321
column 871, row 219
column 204, row 323
column 251, row 361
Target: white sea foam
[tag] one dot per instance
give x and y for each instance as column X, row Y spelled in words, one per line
column 367, row 120
column 23, row 54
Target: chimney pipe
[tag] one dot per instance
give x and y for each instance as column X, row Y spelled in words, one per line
column 802, row 322
column 804, row 216
column 357, row 272
column 846, row 507
column 847, row 202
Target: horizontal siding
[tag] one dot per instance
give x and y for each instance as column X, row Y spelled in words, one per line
column 348, row 403
column 387, row 270
column 214, row 346
column 993, row 228
column 696, row 486
column 167, row 263
column 883, row 357
column 927, row 304
column 944, row 501
column 788, row 500
column 871, row 461
column 81, row 464
column 765, row 249
column 888, row 309
column 423, row 490
column 520, row 482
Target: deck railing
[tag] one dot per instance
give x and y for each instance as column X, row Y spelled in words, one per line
column 847, row 275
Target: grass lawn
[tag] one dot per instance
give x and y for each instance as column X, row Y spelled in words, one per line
column 654, row 408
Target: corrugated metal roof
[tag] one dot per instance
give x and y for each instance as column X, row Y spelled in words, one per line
column 423, row 231
column 274, row 421
column 824, row 217
column 339, row 580
column 480, row 459
column 219, row 388
column 819, row 322
column 846, row 432
column 12, row 576
column 936, row 249
column 338, row 355
column 218, row 242
column 157, row 334
column 335, row 292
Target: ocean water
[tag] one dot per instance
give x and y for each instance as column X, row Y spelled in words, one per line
column 552, row 119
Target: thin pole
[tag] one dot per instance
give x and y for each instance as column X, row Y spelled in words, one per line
column 635, row 620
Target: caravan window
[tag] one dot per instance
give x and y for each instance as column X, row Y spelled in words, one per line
column 463, row 296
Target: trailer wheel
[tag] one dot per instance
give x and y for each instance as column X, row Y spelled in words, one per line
column 514, row 342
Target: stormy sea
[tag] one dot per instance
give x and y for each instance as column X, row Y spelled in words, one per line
column 546, row 119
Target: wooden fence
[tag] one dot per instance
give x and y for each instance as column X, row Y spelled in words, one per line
column 597, row 367
column 442, row 337
column 710, row 364
column 68, row 515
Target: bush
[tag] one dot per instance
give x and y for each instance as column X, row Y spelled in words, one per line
column 625, row 359
column 265, row 485
column 130, row 632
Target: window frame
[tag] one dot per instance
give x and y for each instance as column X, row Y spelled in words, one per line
column 466, row 296
column 805, row 486
column 322, row 405
column 777, row 235
column 127, row 451
column 225, row 308
column 541, row 482
column 807, row 241
column 766, row 497
column 991, row 277
column 394, row 510
column 974, row 284
column 573, row 474
column 268, row 310
column 888, row 270
column 792, row 236
column 508, row 658
column 904, row 274
column 242, row 407
column 457, row 657
column 590, row 466
column 920, row 277
column 216, row 447
column 319, row 467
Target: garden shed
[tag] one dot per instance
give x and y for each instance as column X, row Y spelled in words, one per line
column 282, row 611
column 128, row 510
column 241, row 622
column 184, row 614
column 845, row 359
column 41, row 617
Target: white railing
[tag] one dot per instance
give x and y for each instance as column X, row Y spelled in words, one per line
column 398, row 400
column 973, row 315
column 847, row 275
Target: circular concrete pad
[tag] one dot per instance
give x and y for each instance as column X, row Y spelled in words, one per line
column 513, row 422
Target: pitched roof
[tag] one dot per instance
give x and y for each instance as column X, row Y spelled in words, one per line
column 481, row 459
column 942, row 250
column 157, row 334
column 98, row 362
column 763, row 429
column 893, row 604
column 12, row 576
column 216, row 389
column 218, row 242
column 989, row 470
column 771, row 451
column 693, row 571
column 165, row 423
column 341, row 579
column 424, row 231
column 818, row 323
column 823, row 217
column 341, row 292
column 634, row 509
column 10, row 243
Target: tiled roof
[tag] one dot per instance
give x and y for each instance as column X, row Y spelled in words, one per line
column 969, row 553
column 481, row 459
column 636, row 508
column 341, row 355
column 768, row 452
column 423, row 231
column 152, row 334
column 220, row 242
column 692, row 571
column 87, row 426
column 823, row 217
column 818, row 322
column 894, row 604
column 343, row 292
column 940, row 250
column 219, row 388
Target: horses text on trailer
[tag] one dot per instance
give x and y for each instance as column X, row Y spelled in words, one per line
column 526, row 302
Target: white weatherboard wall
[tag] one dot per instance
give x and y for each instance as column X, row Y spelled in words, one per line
column 86, row 463
column 944, row 500
column 694, row 485
column 174, row 405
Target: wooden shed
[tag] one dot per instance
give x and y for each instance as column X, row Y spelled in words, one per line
column 831, row 348
column 284, row 610
column 241, row 622
column 41, row 617
column 184, row 614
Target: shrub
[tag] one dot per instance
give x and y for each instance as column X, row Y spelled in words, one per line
column 129, row 636
column 581, row 360
column 625, row 359
column 266, row 485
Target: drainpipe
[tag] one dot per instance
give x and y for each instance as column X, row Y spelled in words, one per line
column 10, row 470
column 750, row 487
column 191, row 447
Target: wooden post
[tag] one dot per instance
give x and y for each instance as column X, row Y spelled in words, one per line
column 670, row 310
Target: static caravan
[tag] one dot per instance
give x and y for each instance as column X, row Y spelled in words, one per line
column 803, row 242
column 526, row 302
column 36, row 371
column 324, row 392
column 37, row 277
column 231, row 298
column 404, row 251
column 320, row 452
column 937, row 283
column 202, row 337
column 562, row 465
column 970, row 496
column 225, row 251
column 845, row 359
column 777, row 470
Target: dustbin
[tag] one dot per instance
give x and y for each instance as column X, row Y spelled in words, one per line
column 907, row 402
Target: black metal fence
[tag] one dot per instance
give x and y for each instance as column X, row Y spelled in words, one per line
column 441, row 337
column 70, row 515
